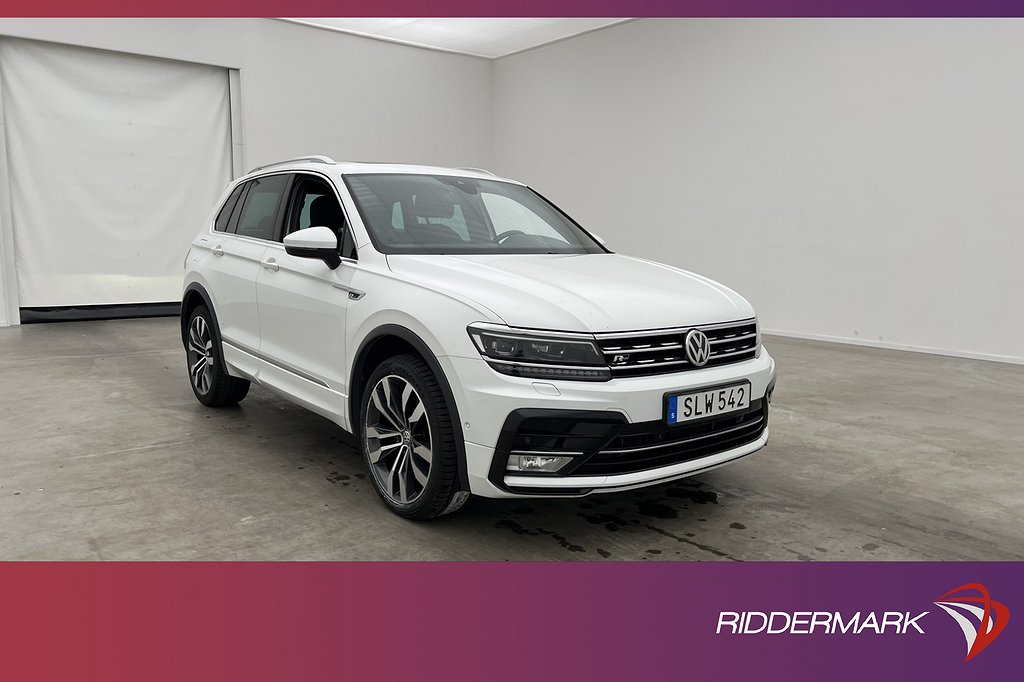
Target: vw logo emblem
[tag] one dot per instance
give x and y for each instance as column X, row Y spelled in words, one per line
column 698, row 349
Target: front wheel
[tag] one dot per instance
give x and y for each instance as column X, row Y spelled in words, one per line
column 408, row 441
column 212, row 385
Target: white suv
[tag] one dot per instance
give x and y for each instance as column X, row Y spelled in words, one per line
column 472, row 335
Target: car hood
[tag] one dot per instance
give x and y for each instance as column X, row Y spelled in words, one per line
column 585, row 292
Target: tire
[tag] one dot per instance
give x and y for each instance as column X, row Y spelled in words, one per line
column 407, row 440
column 212, row 385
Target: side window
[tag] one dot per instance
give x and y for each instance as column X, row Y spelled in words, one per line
column 315, row 204
column 348, row 245
column 259, row 213
column 224, row 217
column 233, row 222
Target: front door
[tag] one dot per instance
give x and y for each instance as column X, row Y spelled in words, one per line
column 303, row 304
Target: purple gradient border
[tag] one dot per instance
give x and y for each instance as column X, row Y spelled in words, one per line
column 515, row 8
column 483, row 622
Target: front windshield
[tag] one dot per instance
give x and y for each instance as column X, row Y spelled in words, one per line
column 413, row 213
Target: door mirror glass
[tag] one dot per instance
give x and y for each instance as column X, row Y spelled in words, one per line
column 314, row 242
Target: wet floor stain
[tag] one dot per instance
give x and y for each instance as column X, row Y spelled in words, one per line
column 656, row 510
column 668, row 511
column 692, row 491
column 694, row 543
column 562, row 541
column 869, row 547
column 508, row 524
column 518, row 529
column 609, row 521
column 335, row 477
column 799, row 555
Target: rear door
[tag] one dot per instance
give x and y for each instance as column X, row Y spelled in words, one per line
column 237, row 250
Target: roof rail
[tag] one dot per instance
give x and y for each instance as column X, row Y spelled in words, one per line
column 312, row 157
column 475, row 170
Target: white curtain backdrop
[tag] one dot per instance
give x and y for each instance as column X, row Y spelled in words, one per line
column 115, row 162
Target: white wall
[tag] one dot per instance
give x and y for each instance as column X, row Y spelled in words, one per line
column 306, row 90
column 856, row 179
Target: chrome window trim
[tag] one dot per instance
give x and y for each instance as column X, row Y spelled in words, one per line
column 257, row 240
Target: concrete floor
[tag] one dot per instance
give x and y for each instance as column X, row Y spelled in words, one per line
column 874, row 455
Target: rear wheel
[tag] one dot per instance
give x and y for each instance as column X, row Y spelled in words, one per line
column 212, row 385
column 408, row 440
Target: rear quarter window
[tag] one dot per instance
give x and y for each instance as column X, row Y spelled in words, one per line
column 224, row 217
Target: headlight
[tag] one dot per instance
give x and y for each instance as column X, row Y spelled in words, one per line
column 540, row 356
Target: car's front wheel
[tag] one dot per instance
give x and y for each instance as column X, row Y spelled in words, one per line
column 212, row 385
column 408, row 440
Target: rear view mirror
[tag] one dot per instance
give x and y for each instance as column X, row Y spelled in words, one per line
column 314, row 242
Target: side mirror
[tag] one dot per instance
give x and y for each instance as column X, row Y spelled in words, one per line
column 320, row 243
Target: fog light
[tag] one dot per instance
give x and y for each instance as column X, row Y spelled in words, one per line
column 539, row 463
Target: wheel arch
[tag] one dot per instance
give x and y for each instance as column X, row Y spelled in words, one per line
column 196, row 295
column 386, row 341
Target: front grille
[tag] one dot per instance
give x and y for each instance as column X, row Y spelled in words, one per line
column 663, row 351
column 649, row 445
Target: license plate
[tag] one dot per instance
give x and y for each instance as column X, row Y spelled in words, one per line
column 684, row 407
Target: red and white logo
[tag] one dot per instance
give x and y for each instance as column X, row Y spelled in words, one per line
column 971, row 602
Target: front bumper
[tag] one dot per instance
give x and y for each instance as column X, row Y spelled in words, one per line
column 486, row 401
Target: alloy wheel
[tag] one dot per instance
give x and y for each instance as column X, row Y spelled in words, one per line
column 200, row 355
column 398, row 439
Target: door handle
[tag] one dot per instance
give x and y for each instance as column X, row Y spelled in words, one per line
column 218, row 250
column 270, row 264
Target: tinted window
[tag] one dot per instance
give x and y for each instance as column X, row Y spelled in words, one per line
column 315, row 204
column 348, row 245
column 259, row 214
column 223, row 218
column 413, row 213
column 233, row 222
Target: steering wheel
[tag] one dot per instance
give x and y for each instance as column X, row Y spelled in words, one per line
column 505, row 235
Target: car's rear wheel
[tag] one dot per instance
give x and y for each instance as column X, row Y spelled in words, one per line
column 408, row 440
column 212, row 385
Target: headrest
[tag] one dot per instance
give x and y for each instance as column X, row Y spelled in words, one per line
column 326, row 211
column 433, row 204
